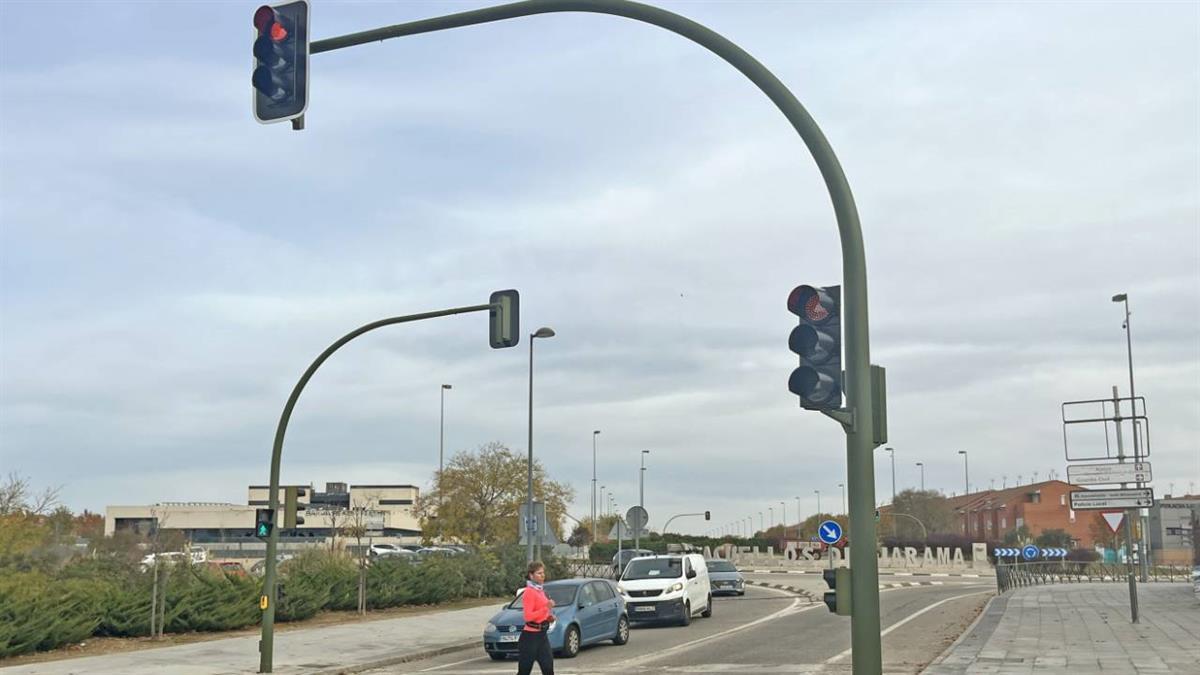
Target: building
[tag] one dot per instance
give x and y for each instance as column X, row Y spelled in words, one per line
column 989, row 515
column 387, row 511
column 1173, row 523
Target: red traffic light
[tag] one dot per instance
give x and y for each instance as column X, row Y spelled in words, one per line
column 264, row 17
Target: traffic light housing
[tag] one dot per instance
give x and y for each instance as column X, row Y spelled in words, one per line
column 264, row 522
column 292, row 508
column 505, row 319
column 708, row 515
column 280, row 77
column 817, row 340
column 838, row 601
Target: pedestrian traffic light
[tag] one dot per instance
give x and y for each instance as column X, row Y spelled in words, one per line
column 280, row 76
column 708, row 515
column 818, row 342
column 264, row 522
column 505, row 326
column 838, row 601
column 292, row 507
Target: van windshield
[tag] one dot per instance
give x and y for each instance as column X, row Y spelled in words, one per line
column 654, row 568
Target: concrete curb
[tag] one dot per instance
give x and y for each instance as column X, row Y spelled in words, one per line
column 780, row 587
column 395, row 660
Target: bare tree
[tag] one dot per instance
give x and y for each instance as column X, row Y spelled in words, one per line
column 339, row 519
column 356, row 527
column 16, row 497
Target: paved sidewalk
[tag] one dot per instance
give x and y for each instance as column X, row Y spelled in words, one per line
column 332, row 649
column 1081, row 628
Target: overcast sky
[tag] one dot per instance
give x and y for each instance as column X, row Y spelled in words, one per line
column 170, row 267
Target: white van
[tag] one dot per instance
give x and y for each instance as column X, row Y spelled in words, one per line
column 667, row 588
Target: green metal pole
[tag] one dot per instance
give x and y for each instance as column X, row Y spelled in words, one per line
column 859, row 421
column 267, row 644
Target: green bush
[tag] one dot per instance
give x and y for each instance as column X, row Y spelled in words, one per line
column 39, row 613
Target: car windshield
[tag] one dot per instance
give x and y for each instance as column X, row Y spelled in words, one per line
column 654, row 568
column 560, row 595
column 720, row 566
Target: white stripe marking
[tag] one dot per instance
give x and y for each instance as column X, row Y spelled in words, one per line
column 907, row 619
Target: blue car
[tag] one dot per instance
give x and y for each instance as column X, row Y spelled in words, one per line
column 586, row 611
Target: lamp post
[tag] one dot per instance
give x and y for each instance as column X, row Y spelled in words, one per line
column 603, row 509
column 783, row 516
column 818, row 493
column 799, row 520
column 531, row 533
column 761, row 526
column 966, row 491
column 1137, row 455
column 642, row 481
column 843, row 486
column 594, row 435
column 441, row 439
column 892, row 452
column 771, row 513
column 922, row 465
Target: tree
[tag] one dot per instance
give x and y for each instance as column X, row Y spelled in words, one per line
column 1017, row 536
column 1055, row 538
column 480, row 496
column 929, row 507
column 581, row 536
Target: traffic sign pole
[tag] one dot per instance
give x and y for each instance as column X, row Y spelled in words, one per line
column 1131, row 513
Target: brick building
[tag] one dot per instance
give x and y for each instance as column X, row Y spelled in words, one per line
column 991, row 514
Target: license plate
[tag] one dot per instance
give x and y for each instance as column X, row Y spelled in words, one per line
column 644, row 608
column 509, row 638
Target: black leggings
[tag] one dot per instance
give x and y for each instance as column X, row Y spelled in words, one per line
column 534, row 647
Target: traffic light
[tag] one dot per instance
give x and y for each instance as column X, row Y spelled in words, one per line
column 505, row 325
column 837, row 601
column 818, row 342
column 280, row 76
column 708, row 515
column 264, row 522
column 292, row 508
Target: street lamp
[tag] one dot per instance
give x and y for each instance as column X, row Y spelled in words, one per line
column 594, row 435
column 603, row 509
column 843, row 486
column 799, row 520
column 771, row 513
column 818, row 493
column 966, row 476
column 892, row 452
column 642, row 481
column 441, row 439
column 761, row 526
column 922, row 465
column 542, row 332
column 783, row 516
column 1137, row 455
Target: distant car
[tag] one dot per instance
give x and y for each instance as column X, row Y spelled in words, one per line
column 377, row 549
column 725, row 578
column 260, row 568
column 586, row 611
column 625, row 556
column 169, row 557
column 436, row 550
column 399, row 554
column 234, row 568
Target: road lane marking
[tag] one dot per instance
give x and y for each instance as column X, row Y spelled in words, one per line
column 905, row 620
column 786, row 611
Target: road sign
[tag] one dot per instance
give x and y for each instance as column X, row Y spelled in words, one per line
column 1006, row 552
column 1102, row 474
column 637, row 518
column 830, row 532
column 1054, row 553
column 1132, row 498
column 1113, row 518
column 1029, row 552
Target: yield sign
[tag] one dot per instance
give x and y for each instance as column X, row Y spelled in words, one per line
column 1113, row 518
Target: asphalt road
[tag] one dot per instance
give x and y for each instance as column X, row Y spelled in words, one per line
column 765, row 631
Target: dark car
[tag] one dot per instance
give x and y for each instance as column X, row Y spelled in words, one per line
column 625, row 556
column 586, row 611
column 725, row 578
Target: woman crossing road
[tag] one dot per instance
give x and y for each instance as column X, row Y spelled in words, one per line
column 534, row 644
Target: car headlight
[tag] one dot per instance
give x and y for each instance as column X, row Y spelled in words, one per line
column 489, row 628
column 677, row 586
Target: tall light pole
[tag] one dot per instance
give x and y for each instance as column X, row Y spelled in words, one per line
column 799, row 520
column 771, row 513
column 783, row 516
column 892, row 452
column 1137, row 455
column 603, row 506
column 843, row 486
column 966, row 476
column 642, row 481
column 761, row 525
column 922, row 465
column 531, row 534
column 818, row 493
column 441, row 439
column 594, row 435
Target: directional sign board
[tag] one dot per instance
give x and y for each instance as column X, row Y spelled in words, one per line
column 830, row 532
column 1084, row 500
column 1054, row 553
column 1104, row 474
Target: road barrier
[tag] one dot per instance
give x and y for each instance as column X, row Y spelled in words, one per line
column 591, row 570
column 1017, row 575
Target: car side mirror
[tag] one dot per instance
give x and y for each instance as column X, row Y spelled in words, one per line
column 581, row 605
column 691, row 574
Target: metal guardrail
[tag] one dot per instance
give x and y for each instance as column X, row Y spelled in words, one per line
column 1018, row 575
column 592, row 570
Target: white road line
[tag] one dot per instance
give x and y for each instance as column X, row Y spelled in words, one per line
column 906, row 620
column 787, row 611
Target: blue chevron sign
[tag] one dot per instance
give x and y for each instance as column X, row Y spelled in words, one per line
column 1054, row 553
column 1006, row 552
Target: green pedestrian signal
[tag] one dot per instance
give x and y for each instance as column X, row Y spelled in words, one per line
column 264, row 522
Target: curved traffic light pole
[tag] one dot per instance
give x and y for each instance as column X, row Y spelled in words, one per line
column 858, row 418
column 267, row 602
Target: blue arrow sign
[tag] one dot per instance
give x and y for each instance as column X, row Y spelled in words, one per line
column 830, row 532
column 1029, row 552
